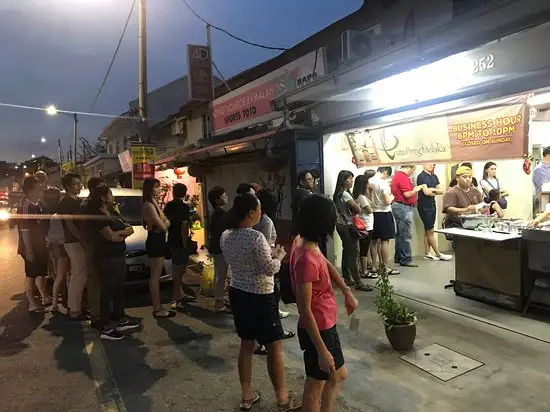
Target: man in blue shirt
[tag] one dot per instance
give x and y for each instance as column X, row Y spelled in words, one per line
column 541, row 174
column 428, row 211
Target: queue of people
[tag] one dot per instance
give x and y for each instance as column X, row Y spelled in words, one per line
column 387, row 211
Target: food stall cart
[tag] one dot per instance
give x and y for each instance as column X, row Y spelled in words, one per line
column 488, row 266
column 499, row 261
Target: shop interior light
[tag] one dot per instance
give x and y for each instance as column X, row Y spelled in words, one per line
column 438, row 79
column 539, row 99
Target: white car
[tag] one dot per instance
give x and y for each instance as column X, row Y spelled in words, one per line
column 137, row 264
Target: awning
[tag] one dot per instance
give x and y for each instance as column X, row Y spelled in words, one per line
column 242, row 145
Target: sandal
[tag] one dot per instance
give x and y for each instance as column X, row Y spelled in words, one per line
column 372, row 275
column 287, row 334
column 52, row 309
column 225, row 309
column 393, row 272
column 37, row 310
column 246, row 405
column 79, row 318
column 261, row 350
column 163, row 314
column 292, row 405
column 363, row 287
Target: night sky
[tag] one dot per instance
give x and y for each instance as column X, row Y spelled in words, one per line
column 57, row 52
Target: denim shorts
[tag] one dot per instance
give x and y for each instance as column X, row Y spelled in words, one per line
column 180, row 256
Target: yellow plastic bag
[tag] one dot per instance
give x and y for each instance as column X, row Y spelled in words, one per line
column 207, row 281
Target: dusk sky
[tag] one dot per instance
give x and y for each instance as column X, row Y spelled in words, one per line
column 57, row 52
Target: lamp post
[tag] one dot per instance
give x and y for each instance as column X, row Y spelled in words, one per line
column 52, row 111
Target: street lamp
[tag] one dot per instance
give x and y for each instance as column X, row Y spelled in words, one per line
column 52, row 111
column 43, row 140
column 32, row 156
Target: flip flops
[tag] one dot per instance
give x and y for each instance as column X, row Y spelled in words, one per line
column 247, row 404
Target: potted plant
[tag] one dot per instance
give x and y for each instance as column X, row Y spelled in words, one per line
column 399, row 320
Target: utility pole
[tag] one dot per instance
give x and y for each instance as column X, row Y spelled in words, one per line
column 209, row 44
column 75, row 138
column 59, row 153
column 142, row 80
column 208, row 122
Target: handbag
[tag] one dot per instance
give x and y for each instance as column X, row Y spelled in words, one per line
column 353, row 227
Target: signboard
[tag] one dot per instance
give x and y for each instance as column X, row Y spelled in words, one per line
column 143, row 163
column 199, row 69
column 495, row 133
column 125, row 159
column 251, row 103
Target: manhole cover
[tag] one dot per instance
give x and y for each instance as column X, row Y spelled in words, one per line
column 441, row 362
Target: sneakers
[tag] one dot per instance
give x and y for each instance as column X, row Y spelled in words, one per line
column 128, row 326
column 111, row 334
column 283, row 315
column 440, row 257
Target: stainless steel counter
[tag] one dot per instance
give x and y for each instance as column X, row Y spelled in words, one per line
column 490, row 236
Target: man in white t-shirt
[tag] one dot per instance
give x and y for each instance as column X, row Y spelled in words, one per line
column 384, row 226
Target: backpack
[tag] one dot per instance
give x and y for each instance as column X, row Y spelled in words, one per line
column 285, row 284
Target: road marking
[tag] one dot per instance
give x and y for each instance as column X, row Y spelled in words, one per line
column 108, row 393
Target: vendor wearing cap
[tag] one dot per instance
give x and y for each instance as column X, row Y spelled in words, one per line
column 463, row 198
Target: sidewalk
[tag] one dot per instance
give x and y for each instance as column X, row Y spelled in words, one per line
column 188, row 362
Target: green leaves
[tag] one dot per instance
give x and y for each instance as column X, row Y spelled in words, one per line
column 388, row 306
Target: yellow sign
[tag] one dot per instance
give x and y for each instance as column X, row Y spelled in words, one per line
column 143, row 164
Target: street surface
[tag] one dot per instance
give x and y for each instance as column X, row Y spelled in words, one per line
column 188, row 363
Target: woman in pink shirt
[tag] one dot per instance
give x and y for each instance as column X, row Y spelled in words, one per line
column 312, row 276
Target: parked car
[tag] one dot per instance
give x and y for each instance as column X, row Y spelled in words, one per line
column 137, row 265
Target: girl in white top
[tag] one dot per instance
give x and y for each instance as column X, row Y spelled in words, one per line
column 362, row 193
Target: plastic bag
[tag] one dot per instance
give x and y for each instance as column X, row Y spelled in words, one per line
column 207, row 281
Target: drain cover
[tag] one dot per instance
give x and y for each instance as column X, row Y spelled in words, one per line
column 441, row 362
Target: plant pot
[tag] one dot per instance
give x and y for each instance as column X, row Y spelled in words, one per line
column 401, row 337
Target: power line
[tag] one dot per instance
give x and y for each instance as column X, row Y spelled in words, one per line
column 262, row 46
column 114, row 56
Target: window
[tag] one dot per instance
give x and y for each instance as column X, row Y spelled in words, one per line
column 206, row 126
column 117, row 147
column 109, row 148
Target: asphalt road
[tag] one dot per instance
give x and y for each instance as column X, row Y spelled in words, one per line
column 188, row 363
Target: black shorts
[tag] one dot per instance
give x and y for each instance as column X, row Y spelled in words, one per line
column 384, row 226
column 311, row 360
column 256, row 317
column 155, row 245
column 427, row 215
column 364, row 245
column 37, row 268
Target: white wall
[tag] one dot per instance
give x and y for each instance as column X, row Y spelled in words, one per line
column 229, row 176
column 510, row 173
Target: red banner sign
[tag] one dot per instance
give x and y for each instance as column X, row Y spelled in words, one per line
column 199, row 66
column 252, row 103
